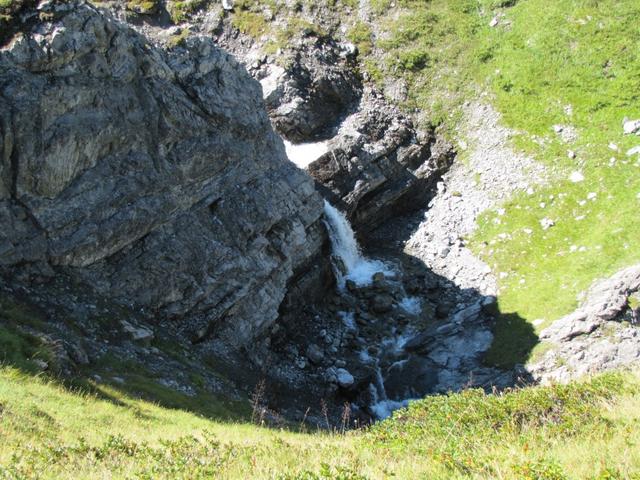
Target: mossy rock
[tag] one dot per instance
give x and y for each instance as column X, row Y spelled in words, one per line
column 143, row 7
column 180, row 11
column 10, row 17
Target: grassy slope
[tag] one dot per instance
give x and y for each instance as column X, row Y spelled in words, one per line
column 574, row 62
column 587, row 430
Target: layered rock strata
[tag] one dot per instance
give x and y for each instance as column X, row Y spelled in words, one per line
column 153, row 177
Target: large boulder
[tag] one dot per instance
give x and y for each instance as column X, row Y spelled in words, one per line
column 317, row 88
column 378, row 166
column 154, row 177
column 602, row 334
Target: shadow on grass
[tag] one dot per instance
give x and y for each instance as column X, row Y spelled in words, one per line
column 25, row 347
column 513, row 341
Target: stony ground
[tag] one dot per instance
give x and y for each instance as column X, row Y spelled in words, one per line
column 490, row 171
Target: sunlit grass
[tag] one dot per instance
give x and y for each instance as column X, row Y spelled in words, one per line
column 575, row 431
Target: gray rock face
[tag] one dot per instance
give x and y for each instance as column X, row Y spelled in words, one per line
column 154, row 177
column 600, row 335
column 316, row 89
column 378, row 166
column 604, row 301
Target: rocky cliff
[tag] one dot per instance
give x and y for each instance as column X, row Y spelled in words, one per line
column 154, row 177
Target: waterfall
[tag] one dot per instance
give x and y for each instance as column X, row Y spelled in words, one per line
column 352, row 265
column 345, row 247
column 381, row 406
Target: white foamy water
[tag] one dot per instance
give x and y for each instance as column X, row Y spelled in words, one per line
column 344, row 245
column 395, row 345
column 348, row 320
column 302, row 154
column 411, row 305
column 381, row 406
column 384, row 408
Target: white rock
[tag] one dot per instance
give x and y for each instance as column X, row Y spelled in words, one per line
column 494, row 21
column 571, row 154
column 633, row 151
column 546, row 223
column 613, row 147
column 227, row 4
column 592, row 196
column 631, row 126
column 344, row 378
column 576, row 177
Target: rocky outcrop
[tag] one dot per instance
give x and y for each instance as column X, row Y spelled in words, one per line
column 317, row 89
column 602, row 334
column 153, row 177
column 378, row 165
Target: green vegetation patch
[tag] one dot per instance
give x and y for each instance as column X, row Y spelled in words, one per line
column 575, row 64
column 143, row 7
column 581, row 430
column 180, row 11
column 465, row 431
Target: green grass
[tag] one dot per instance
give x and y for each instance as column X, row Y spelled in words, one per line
column 361, row 36
column 584, row 430
column 180, row 11
column 250, row 23
column 553, row 57
column 143, row 6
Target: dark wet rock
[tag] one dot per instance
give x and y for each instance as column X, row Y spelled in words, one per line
column 344, row 378
column 411, row 378
column 468, row 314
column 137, row 333
column 382, row 303
column 447, row 329
column 315, row 354
column 378, row 165
column 443, row 310
column 490, row 306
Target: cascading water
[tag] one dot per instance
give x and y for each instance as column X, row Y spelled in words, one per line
column 352, row 265
column 357, row 268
